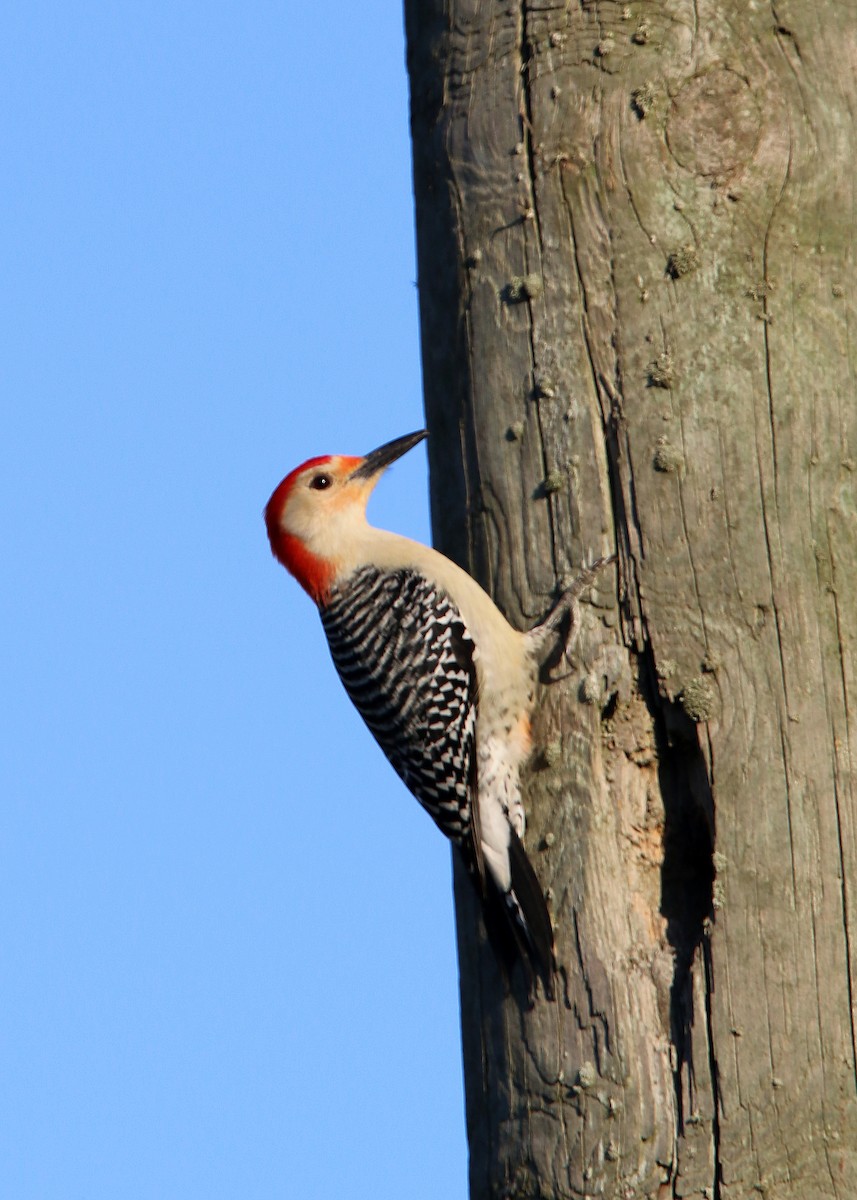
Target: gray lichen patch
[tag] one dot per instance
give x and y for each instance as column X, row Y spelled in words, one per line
column 698, row 699
column 643, row 99
column 587, row 1075
column 523, row 287
column 667, row 457
column 661, row 372
column 683, row 261
column 554, row 481
column 552, row 754
column 545, row 388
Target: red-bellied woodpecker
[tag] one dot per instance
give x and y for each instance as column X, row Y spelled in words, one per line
column 443, row 681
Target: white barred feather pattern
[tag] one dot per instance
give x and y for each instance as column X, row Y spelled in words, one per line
column 406, row 661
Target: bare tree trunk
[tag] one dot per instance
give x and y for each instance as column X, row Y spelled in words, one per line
column 636, row 258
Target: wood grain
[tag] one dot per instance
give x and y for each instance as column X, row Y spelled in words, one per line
column 636, row 264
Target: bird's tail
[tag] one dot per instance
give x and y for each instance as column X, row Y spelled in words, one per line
column 518, row 922
column 531, row 923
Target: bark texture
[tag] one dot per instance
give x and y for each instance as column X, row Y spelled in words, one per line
column 636, row 234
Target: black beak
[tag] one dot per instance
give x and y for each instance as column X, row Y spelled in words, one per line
column 386, row 454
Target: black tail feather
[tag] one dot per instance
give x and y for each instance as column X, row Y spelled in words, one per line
column 517, row 922
column 529, row 916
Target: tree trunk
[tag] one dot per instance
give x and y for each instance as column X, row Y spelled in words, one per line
column 636, row 263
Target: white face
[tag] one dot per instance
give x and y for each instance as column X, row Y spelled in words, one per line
column 326, row 506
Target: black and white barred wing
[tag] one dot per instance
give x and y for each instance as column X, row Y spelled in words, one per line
column 406, row 660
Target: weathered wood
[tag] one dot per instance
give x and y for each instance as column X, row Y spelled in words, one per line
column 636, row 262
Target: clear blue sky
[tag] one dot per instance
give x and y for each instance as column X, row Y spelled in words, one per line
column 228, row 963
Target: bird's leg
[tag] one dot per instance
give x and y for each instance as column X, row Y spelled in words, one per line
column 567, row 606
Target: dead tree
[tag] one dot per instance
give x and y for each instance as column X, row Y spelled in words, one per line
column 636, row 231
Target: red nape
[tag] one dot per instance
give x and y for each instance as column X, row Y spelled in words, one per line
column 274, row 507
column 313, row 574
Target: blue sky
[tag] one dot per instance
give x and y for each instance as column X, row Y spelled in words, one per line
column 228, row 963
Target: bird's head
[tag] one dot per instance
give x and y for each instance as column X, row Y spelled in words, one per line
column 316, row 515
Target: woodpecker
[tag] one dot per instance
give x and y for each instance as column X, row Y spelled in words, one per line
column 442, row 680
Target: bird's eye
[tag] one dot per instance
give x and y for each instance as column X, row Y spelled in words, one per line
column 320, row 482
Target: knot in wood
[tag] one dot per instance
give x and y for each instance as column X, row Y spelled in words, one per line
column 714, row 124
